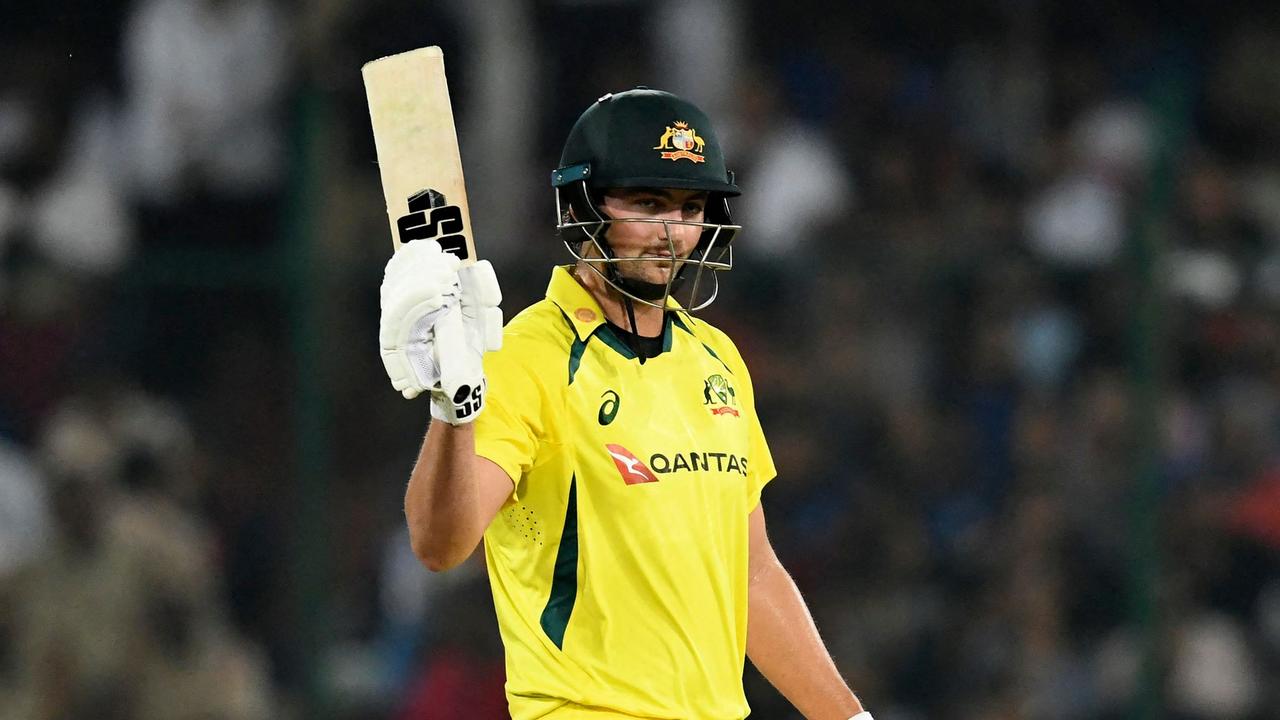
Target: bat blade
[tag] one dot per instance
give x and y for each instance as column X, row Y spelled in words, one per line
column 417, row 146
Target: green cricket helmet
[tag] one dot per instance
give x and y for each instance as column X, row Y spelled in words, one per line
column 645, row 138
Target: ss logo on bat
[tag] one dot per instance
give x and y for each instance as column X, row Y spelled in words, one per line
column 430, row 218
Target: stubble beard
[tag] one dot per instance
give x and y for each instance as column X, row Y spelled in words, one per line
column 640, row 284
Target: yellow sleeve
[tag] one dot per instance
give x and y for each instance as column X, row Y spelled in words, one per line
column 762, row 468
column 510, row 429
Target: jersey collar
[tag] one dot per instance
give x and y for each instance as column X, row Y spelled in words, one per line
column 582, row 310
column 576, row 303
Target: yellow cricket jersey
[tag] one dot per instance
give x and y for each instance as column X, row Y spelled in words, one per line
column 619, row 565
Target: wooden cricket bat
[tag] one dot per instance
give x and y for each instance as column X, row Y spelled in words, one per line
column 417, row 149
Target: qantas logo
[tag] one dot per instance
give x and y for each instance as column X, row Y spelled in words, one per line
column 629, row 466
column 698, row 461
column 634, row 471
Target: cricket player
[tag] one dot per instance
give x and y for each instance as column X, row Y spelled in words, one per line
column 605, row 444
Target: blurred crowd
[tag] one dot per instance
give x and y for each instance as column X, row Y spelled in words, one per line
column 1009, row 287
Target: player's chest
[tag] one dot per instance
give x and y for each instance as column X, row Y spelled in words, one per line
column 672, row 431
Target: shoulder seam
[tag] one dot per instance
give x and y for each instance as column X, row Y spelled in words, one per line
column 678, row 322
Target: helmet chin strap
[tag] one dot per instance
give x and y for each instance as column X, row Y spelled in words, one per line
column 647, row 290
column 641, row 289
column 631, row 287
column 631, row 314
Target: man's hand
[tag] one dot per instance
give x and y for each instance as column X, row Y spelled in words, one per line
column 463, row 335
column 437, row 323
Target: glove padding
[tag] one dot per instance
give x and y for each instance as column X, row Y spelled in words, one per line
column 463, row 334
column 437, row 323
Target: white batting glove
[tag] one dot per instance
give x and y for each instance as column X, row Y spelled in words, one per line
column 462, row 336
column 437, row 322
column 419, row 285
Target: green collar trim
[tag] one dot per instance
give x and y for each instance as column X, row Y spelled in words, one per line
column 606, row 335
column 678, row 319
column 610, row 338
column 680, row 323
column 584, row 316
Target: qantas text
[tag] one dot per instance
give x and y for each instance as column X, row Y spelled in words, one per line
column 694, row 461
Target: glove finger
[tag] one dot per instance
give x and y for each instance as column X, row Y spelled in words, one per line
column 491, row 319
column 410, row 318
column 480, row 285
column 401, row 263
column 453, row 354
column 395, row 265
column 413, row 271
column 439, row 267
column 424, row 284
column 411, row 285
column 399, row 372
column 417, row 250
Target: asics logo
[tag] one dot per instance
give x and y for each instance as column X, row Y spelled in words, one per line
column 609, row 408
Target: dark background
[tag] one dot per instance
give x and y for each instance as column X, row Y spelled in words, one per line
column 1008, row 286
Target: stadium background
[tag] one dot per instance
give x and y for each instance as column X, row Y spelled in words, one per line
column 1008, row 286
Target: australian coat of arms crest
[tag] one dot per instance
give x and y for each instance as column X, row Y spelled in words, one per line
column 681, row 142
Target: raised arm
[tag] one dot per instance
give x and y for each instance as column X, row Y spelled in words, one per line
column 452, row 497
column 437, row 322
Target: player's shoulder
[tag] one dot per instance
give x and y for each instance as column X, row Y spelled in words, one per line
column 703, row 330
column 537, row 335
column 715, row 339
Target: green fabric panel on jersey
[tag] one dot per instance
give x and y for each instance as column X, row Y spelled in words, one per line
column 575, row 357
column 564, row 582
column 680, row 323
column 575, row 350
column 717, row 357
column 610, row 338
column 615, row 342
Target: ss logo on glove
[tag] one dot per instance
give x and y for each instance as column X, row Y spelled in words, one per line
column 468, row 400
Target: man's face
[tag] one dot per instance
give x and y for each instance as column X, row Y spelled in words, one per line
column 652, row 239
